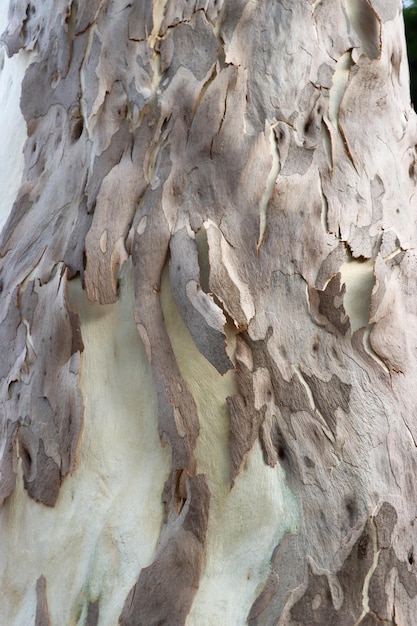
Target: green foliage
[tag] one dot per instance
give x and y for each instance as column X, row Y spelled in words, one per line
column 410, row 19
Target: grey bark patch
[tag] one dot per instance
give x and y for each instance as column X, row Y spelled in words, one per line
column 385, row 522
column 73, row 256
column 21, row 207
column 330, row 266
column 105, row 243
column 90, row 73
column 220, row 280
column 87, row 11
column 328, row 396
column 178, row 420
column 317, row 605
column 326, row 306
column 7, row 460
column 165, row 590
column 104, row 163
column 192, row 45
column 297, row 162
column 42, row 614
column 41, row 475
column 44, row 398
column 203, row 318
column 11, row 328
column 93, row 614
column 41, row 74
column 177, row 11
column 140, row 21
column 245, row 420
column 269, row 590
column 317, row 600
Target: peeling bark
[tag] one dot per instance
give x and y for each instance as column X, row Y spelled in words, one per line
column 42, row 617
column 213, row 241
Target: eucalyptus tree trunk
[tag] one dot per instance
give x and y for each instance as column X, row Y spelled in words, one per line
column 208, row 314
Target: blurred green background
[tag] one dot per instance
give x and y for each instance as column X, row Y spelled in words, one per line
column 410, row 19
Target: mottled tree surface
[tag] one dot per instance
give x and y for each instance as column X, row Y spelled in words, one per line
column 231, row 185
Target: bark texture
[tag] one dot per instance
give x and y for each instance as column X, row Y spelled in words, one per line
column 248, row 170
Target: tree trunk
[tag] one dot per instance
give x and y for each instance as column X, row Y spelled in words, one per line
column 208, row 314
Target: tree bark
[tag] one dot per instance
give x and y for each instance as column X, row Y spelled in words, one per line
column 208, row 314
